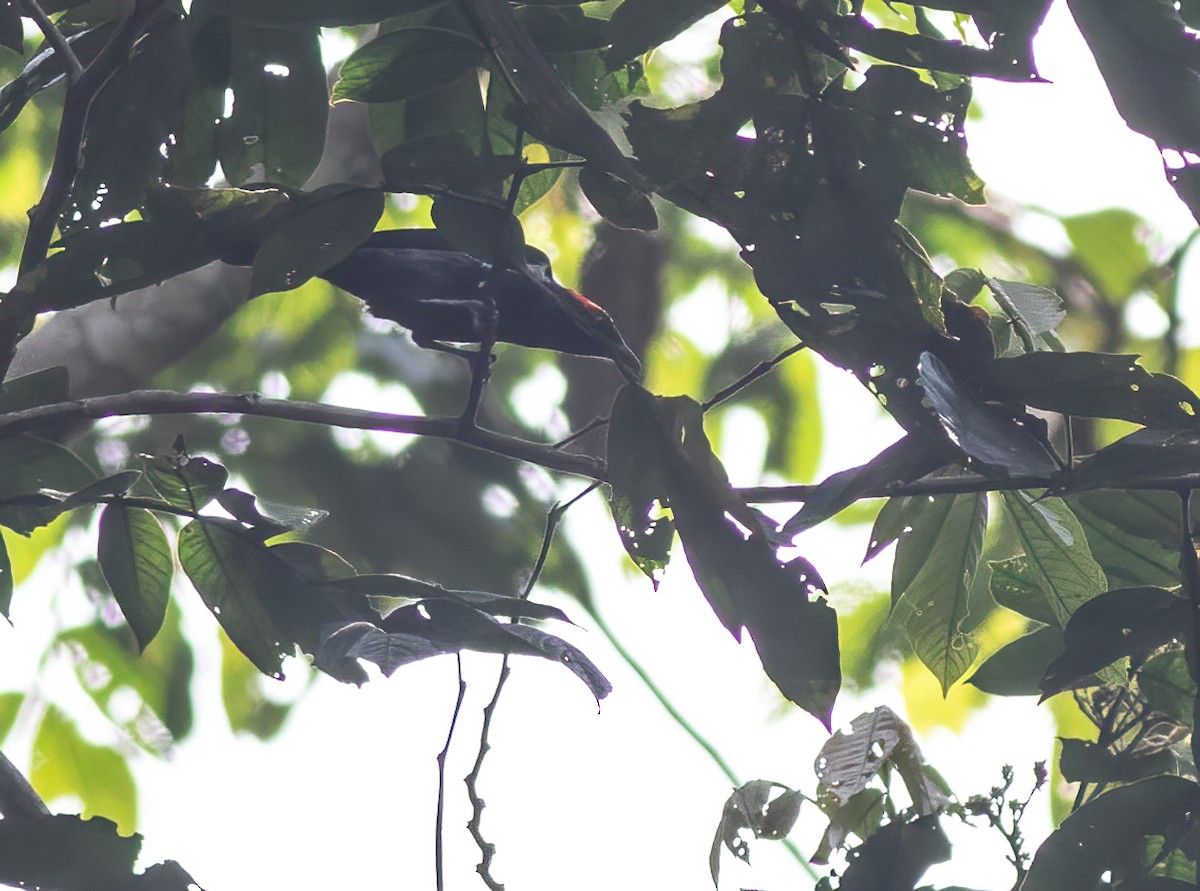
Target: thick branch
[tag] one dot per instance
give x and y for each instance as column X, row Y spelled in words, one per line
column 167, row 402
column 55, row 38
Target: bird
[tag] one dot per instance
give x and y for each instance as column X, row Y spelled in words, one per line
column 418, row 279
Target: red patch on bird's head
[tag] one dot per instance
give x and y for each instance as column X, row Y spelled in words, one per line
column 593, row 308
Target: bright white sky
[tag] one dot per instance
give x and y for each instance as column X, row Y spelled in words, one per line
column 344, row 798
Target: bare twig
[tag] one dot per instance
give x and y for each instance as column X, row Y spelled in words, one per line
column 438, row 852
column 158, row 402
column 55, row 38
column 750, row 377
column 487, row 850
column 17, row 798
column 594, row 424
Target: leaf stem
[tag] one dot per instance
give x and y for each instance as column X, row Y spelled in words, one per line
column 750, row 377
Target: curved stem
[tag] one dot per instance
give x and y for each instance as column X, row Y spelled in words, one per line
column 438, row 852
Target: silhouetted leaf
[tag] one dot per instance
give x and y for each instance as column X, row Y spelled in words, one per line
column 1087, row 762
column 136, row 561
column 12, row 32
column 637, row 26
column 38, row 388
column 1107, row 834
column 1145, row 457
column 1059, row 560
column 1166, row 685
column 104, row 489
column 277, row 129
column 487, row 232
column 232, row 574
column 185, row 481
column 751, row 807
column 272, row 517
column 407, row 63
column 1016, row 669
column 998, row 440
column 443, row 159
column 617, row 201
column 1094, row 385
column 896, row 856
column 63, row 851
column 861, row 814
column 387, row 592
column 565, row 29
column 36, row 477
column 64, row 763
column 1133, row 622
column 6, row 583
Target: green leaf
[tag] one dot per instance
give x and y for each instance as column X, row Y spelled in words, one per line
column 136, row 561
column 64, row 763
column 1017, row 586
column 1038, row 309
column 36, row 476
column 485, row 231
column 1147, row 456
column 232, row 574
column 1059, row 557
column 407, row 63
column 185, row 481
column 563, row 30
column 1016, row 669
column 1167, row 686
column 317, row 234
column 105, row 488
column 280, row 102
column 1107, row 834
column 39, row 388
column 1111, row 246
column 637, row 26
column 1094, row 385
column 247, row 709
column 1134, row 535
column 10, row 705
column 617, row 201
column 938, row 594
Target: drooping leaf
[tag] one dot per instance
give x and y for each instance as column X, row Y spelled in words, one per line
column 1095, row 385
column 1132, row 622
column 1016, row 669
column 387, row 592
column 36, row 477
column 280, row 102
column 617, row 201
column 848, row 762
column 407, row 63
column 996, row 439
column 1057, row 550
column 897, row 856
column 752, row 807
column 137, row 564
column 64, row 763
column 1089, row 762
column 232, row 574
column 63, row 851
column 727, row 546
column 1107, row 834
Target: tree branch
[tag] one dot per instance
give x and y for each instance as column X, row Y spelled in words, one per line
column 441, row 763
column 166, row 402
column 55, row 38
column 17, row 798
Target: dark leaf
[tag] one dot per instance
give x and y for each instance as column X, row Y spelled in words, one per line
column 563, row 30
column 137, row 564
column 751, row 808
column 271, row 517
column 637, row 26
column 36, row 476
column 1133, row 534
column 316, row 234
column 1059, row 563
column 617, row 201
column 233, row 574
column 912, row 457
column 727, row 546
column 185, row 481
column 443, row 159
column 1151, row 456
column 6, row 584
column 1087, row 762
column 407, row 63
column 277, row 130
column 1016, row 669
column 388, row 592
column 63, row 851
column 861, row 814
column 485, row 231
column 994, row 438
column 104, row 489
column 39, row 388
column 1094, row 385
column 1133, row 623
column 897, row 856
column 362, row 640
column 1165, row 684
column 318, row 12
column 1107, row 834
column 849, row 761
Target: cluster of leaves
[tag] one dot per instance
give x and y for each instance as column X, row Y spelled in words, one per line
column 809, row 155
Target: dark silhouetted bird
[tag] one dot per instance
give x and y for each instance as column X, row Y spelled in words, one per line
column 416, row 278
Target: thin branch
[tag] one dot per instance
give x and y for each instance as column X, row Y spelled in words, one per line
column 438, row 853
column 55, row 38
column 17, row 798
column 487, row 850
column 750, row 377
column 684, row 724
column 594, row 424
column 160, row 402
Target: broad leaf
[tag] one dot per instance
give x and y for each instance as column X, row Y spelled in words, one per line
column 637, row 26
column 36, row 477
column 64, row 763
column 46, row 68
column 1059, row 558
column 1016, row 669
column 185, row 481
column 617, row 201
column 1107, row 834
column 752, row 807
column 407, row 63
column 897, row 856
column 247, row 709
column 1134, row 535
column 1034, row 309
column 137, row 564
column 1146, row 457
column 233, row 574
